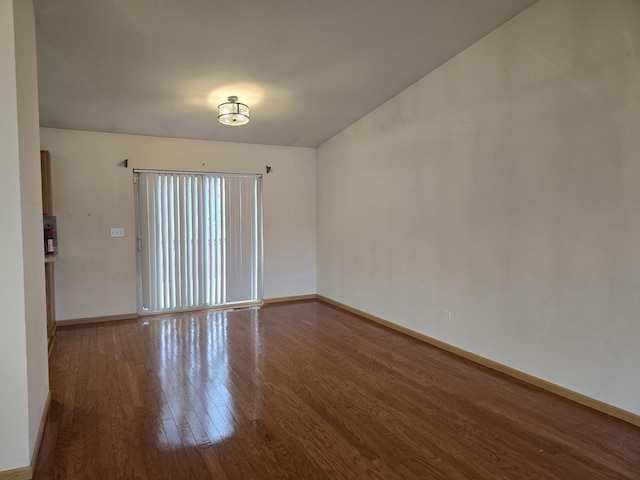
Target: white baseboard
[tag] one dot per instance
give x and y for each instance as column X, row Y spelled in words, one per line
column 598, row 405
column 106, row 318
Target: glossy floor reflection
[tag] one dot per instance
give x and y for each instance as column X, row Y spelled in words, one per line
column 304, row 391
column 193, row 367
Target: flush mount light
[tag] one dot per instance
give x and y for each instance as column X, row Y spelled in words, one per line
column 233, row 113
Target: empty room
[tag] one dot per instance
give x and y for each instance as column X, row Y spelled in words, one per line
column 367, row 239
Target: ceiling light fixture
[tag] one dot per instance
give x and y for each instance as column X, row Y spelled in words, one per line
column 233, row 113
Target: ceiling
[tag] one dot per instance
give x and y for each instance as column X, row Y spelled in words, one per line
column 307, row 68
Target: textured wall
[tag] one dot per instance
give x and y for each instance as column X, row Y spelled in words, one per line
column 14, row 446
column 96, row 275
column 23, row 342
column 31, row 210
column 504, row 187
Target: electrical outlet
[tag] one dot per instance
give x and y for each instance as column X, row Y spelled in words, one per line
column 117, row 232
column 446, row 314
column 304, row 275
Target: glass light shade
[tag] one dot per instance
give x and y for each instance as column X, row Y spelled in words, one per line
column 233, row 113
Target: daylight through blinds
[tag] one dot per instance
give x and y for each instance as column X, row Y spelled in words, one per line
column 199, row 238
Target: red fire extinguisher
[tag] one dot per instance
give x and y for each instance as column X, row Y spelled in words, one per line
column 48, row 235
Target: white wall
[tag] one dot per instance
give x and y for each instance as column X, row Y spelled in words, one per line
column 31, row 198
column 504, row 187
column 23, row 348
column 96, row 275
column 14, row 434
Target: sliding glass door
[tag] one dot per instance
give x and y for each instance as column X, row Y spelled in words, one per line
column 199, row 240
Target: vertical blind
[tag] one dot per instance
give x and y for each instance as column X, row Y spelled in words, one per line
column 199, row 240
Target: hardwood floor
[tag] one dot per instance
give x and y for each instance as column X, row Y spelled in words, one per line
column 305, row 391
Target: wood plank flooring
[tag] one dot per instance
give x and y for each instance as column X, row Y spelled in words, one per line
column 305, row 391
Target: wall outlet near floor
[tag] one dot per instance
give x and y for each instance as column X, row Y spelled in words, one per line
column 117, row 232
column 446, row 314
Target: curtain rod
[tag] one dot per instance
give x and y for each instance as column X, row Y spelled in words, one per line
column 184, row 172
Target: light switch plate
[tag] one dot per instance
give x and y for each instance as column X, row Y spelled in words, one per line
column 117, row 232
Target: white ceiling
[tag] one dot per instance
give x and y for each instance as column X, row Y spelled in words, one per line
column 307, row 68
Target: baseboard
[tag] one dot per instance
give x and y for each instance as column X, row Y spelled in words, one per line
column 295, row 298
column 598, row 405
column 50, row 343
column 24, row 473
column 132, row 316
column 106, row 318
column 43, row 424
